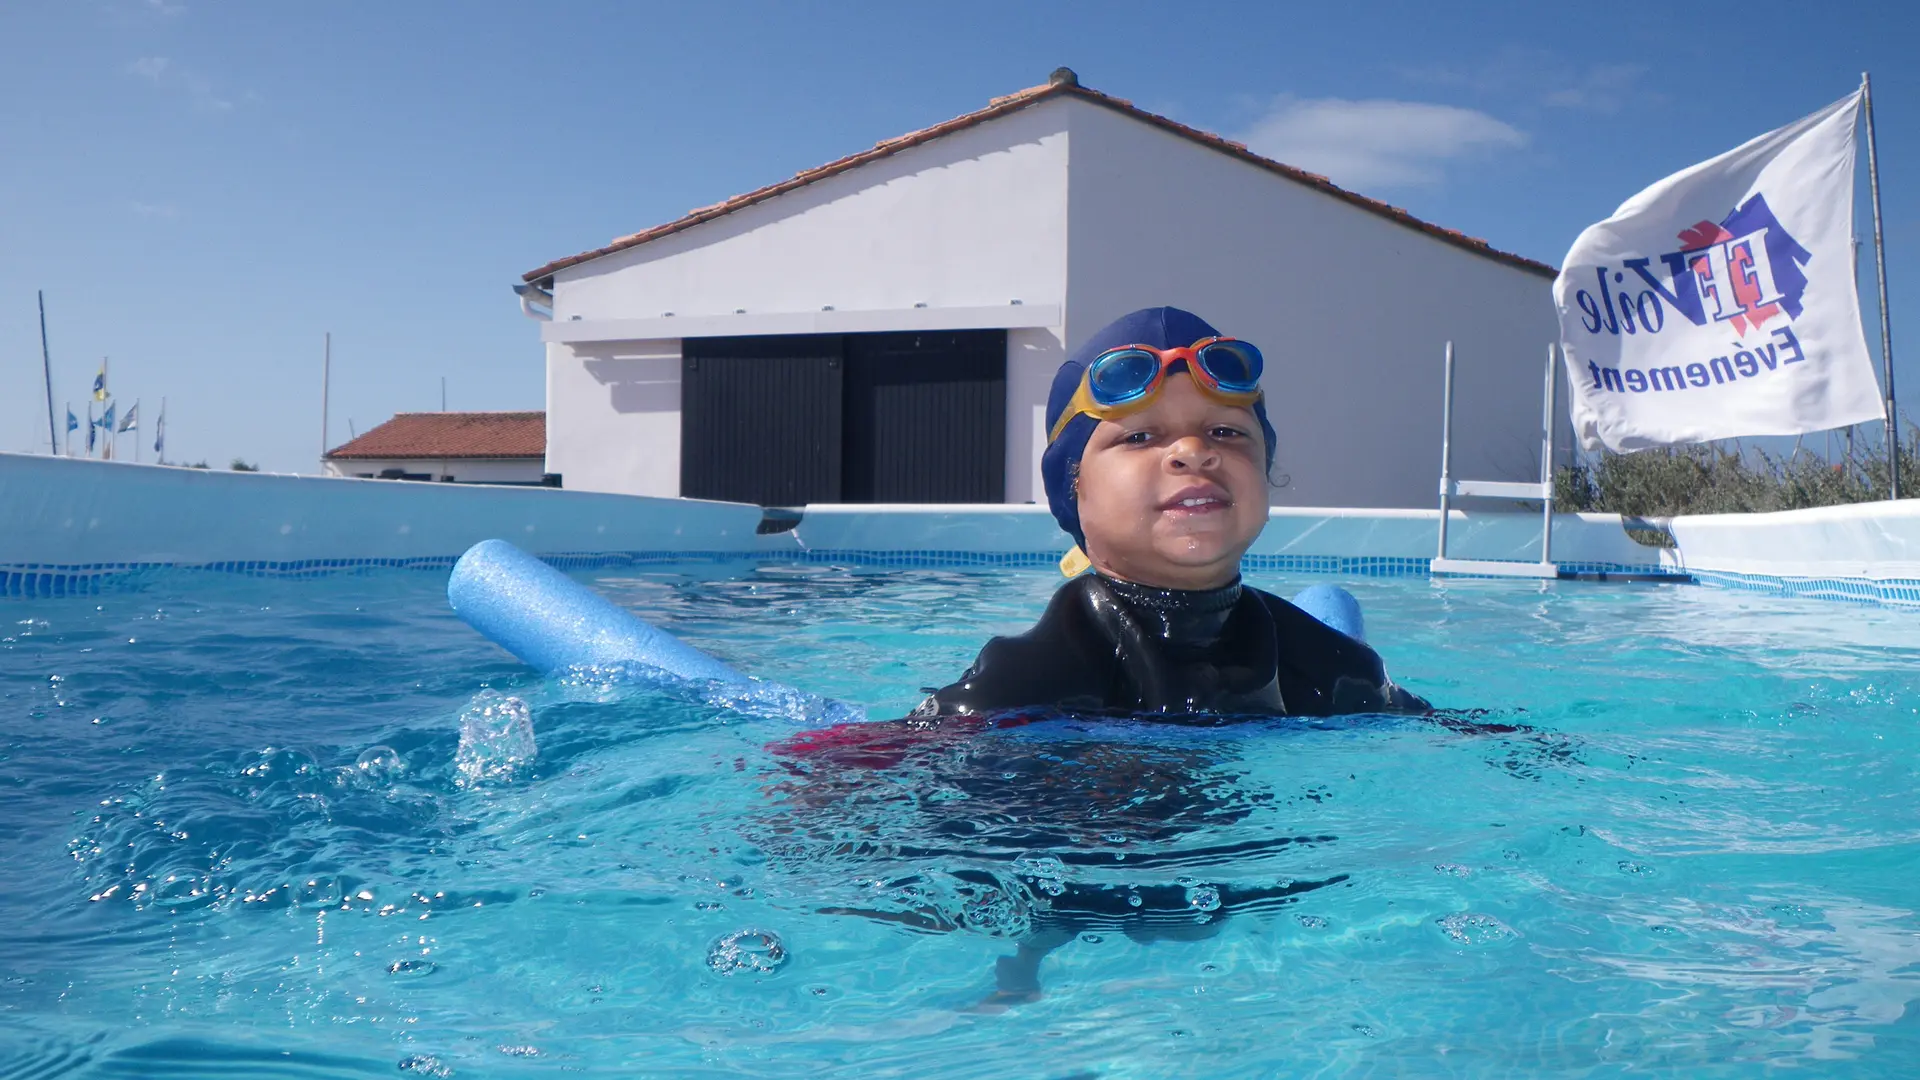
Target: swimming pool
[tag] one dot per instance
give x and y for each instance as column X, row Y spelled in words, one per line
column 243, row 837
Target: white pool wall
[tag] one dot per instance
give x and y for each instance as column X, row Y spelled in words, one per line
column 62, row 517
column 1866, row 551
column 66, row 512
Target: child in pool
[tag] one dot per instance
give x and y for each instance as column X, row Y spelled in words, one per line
column 1157, row 466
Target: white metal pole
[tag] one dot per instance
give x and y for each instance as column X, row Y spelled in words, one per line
column 46, row 364
column 326, row 389
column 1546, row 461
column 1446, row 450
column 1886, row 319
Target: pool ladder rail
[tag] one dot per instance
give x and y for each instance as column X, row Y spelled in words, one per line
column 1542, row 491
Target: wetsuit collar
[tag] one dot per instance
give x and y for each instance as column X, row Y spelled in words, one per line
column 1182, row 616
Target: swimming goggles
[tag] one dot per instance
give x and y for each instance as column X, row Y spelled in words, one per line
column 1123, row 381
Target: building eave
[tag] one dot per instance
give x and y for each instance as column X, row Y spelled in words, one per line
column 999, row 107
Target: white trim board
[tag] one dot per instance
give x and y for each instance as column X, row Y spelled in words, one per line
column 753, row 324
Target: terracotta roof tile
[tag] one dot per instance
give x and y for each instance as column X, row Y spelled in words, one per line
column 452, row 435
column 1014, row 102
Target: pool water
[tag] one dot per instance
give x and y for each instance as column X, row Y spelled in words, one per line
column 241, row 834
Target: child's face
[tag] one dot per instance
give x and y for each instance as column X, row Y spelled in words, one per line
column 1140, row 473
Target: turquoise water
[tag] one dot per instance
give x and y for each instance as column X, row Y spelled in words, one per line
column 240, row 835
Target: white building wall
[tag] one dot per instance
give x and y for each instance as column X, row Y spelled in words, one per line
column 974, row 220
column 463, row 470
column 613, row 416
column 1351, row 309
column 1032, row 357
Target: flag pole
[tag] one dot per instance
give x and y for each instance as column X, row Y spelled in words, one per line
column 326, row 390
column 69, row 451
column 1886, row 318
column 160, row 435
column 46, row 363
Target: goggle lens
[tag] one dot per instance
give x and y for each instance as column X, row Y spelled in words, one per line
column 1235, row 365
column 1122, row 375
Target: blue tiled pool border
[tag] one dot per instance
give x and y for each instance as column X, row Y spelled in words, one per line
column 1891, row 592
column 35, row 580
column 50, row 580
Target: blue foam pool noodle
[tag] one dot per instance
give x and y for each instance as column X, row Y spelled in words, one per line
column 1335, row 607
column 553, row 623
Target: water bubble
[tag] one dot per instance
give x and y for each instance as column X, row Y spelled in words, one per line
column 378, row 763
column 1046, row 873
column 1472, row 928
column 1133, row 899
column 1452, row 869
column 425, row 1065
column 1040, row 866
column 1628, row 866
column 519, row 1051
column 1799, row 913
column 1203, row 897
column 496, row 739
column 412, row 968
column 1311, row 922
column 747, row 952
column 992, row 910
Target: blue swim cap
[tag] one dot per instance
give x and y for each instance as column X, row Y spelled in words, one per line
column 1162, row 328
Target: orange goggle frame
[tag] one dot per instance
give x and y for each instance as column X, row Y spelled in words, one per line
column 1124, row 380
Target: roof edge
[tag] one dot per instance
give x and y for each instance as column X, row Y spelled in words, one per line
column 1002, row 106
column 341, row 453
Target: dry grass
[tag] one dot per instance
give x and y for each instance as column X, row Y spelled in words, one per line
column 1711, row 479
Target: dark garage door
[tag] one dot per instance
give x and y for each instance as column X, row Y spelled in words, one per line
column 760, row 419
column 896, row 417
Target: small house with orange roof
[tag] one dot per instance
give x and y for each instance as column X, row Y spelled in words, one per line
column 450, row 447
column 884, row 328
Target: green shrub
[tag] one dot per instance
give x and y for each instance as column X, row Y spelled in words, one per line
column 1712, row 479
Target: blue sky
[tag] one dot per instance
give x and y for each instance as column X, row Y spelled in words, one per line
column 204, row 188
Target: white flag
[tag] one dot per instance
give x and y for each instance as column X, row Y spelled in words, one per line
column 1720, row 302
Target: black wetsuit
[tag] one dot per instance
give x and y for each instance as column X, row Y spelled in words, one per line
column 1111, row 646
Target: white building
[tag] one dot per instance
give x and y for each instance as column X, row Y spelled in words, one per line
column 884, row 328
column 451, row 447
